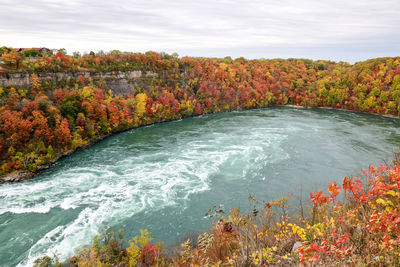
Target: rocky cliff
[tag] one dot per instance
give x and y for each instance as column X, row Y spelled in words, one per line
column 118, row 82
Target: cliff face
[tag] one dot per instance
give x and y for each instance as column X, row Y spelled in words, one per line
column 117, row 82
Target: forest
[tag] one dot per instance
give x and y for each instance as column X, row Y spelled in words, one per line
column 43, row 122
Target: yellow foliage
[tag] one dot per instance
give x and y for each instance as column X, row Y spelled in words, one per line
column 317, row 230
column 223, row 66
column 230, row 261
column 256, row 258
column 267, row 254
column 144, row 237
column 35, row 82
column 22, row 92
column 392, row 193
column 381, row 201
column 232, row 73
column 189, row 106
column 77, row 140
column 87, row 93
column 299, row 231
column 133, row 252
column 141, row 100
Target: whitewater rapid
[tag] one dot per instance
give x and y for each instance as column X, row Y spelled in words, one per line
column 168, row 170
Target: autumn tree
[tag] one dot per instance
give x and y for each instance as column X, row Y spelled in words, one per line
column 12, row 59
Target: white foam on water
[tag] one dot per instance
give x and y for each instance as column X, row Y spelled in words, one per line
column 140, row 182
column 127, row 179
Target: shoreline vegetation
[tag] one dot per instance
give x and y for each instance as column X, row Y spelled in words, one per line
column 43, row 122
column 24, row 175
column 355, row 223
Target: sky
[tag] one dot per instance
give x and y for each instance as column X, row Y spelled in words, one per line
column 340, row 30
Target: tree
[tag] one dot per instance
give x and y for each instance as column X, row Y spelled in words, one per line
column 76, row 54
column 62, row 51
column 5, row 50
column 30, row 53
column 63, row 133
column 141, row 100
column 12, row 59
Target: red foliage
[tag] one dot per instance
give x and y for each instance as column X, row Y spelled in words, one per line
column 319, row 198
column 62, row 133
column 149, row 254
column 210, row 84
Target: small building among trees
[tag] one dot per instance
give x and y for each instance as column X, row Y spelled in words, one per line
column 40, row 50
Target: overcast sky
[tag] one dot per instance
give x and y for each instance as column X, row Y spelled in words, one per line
column 347, row 30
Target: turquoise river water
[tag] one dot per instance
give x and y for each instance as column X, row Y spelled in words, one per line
column 164, row 177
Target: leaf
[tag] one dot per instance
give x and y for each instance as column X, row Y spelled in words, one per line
column 381, row 201
column 391, row 192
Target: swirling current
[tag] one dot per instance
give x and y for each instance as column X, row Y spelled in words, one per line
column 164, row 177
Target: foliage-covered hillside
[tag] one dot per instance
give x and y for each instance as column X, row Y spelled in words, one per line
column 47, row 120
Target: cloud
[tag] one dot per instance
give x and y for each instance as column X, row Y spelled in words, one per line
column 208, row 28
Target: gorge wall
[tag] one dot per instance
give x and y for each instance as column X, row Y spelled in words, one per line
column 118, row 82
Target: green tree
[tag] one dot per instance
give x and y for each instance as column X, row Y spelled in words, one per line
column 31, row 53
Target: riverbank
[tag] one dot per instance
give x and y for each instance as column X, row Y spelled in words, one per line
column 40, row 124
column 26, row 175
column 17, row 177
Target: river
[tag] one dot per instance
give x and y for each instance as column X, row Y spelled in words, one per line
column 164, row 177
